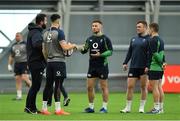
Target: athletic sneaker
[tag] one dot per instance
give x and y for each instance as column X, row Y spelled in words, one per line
column 66, row 101
column 154, row 111
column 17, row 98
column 141, row 110
column 89, row 110
column 103, row 110
column 45, row 112
column 61, row 112
column 125, row 110
column 28, row 110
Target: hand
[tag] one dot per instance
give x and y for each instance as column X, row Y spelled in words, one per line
column 164, row 66
column 74, row 46
column 96, row 55
column 80, row 47
column 146, row 70
column 10, row 69
column 125, row 67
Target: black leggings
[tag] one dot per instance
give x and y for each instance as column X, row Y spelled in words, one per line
column 36, row 75
column 47, row 93
column 63, row 91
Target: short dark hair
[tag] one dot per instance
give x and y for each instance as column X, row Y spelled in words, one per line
column 97, row 21
column 154, row 26
column 54, row 17
column 40, row 17
column 142, row 22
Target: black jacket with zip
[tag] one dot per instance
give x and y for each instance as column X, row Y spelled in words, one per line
column 35, row 56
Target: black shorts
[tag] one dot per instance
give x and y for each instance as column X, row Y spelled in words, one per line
column 136, row 72
column 155, row 75
column 100, row 72
column 56, row 70
column 21, row 68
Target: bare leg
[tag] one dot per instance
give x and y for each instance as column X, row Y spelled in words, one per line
column 90, row 89
column 156, row 95
column 18, row 86
column 129, row 94
column 25, row 77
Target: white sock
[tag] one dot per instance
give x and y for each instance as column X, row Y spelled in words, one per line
column 142, row 104
column 57, row 106
column 19, row 93
column 156, row 106
column 91, row 105
column 128, row 104
column 161, row 105
column 44, row 106
column 104, row 105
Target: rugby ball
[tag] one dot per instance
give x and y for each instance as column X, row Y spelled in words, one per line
column 68, row 53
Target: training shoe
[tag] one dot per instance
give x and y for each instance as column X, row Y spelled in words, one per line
column 45, row 112
column 125, row 110
column 141, row 110
column 161, row 110
column 103, row 110
column 17, row 98
column 61, row 112
column 66, row 101
column 153, row 111
column 89, row 110
column 28, row 110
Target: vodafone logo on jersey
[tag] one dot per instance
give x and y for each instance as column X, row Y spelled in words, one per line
column 171, row 79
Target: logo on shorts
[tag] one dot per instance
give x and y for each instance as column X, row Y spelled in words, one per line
column 58, row 73
column 25, row 71
column 41, row 73
column 88, row 75
column 130, row 74
column 102, row 76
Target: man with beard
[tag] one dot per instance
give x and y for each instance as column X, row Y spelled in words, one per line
column 36, row 61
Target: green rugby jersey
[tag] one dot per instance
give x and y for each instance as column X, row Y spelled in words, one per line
column 100, row 44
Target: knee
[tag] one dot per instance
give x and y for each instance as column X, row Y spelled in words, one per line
column 24, row 78
column 90, row 88
column 35, row 87
column 104, row 87
column 144, row 88
column 130, row 87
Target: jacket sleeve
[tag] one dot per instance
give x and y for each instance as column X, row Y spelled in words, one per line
column 109, row 48
column 158, row 56
column 129, row 54
column 86, row 47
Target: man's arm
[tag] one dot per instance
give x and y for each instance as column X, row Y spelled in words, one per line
column 109, row 48
column 85, row 47
column 10, row 62
column 158, row 56
column 129, row 54
column 44, row 51
column 67, row 46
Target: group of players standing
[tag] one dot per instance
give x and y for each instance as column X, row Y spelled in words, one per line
column 47, row 50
